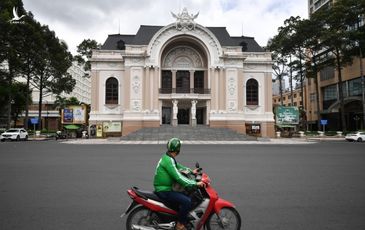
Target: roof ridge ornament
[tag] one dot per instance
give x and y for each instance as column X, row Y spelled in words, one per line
column 184, row 20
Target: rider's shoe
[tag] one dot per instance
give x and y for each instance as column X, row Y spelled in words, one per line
column 180, row 226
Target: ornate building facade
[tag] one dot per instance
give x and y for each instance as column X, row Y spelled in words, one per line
column 181, row 74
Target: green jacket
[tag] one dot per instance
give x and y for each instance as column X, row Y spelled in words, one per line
column 167, row 172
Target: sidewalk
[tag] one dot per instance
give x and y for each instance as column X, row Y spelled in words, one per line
column 260, row 141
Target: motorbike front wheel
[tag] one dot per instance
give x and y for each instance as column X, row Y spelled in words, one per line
column 228, row 219
column 141, row 216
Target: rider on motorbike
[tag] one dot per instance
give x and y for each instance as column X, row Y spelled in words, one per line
column 167, row 173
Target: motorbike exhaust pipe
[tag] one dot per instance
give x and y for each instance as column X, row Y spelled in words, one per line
column 138, row 227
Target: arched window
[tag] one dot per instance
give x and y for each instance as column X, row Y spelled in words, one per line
column 111, row 91
column 252, row 92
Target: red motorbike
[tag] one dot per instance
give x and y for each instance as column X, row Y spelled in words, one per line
column 148, row 212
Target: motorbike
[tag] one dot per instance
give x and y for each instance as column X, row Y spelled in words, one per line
column 148, row 212
column 60, row 135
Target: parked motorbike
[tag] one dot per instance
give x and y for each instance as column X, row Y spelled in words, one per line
column 60, row 135
column 148, row 212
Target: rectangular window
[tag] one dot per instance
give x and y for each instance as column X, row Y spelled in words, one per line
column 199, row 82
column 330, row 92
column 312, row 97
column 330, row 96
column 327, row 73
column 166, row 82
column 355, row 87
column 182, row 82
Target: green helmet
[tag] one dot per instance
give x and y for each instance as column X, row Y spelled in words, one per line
column 173, row 145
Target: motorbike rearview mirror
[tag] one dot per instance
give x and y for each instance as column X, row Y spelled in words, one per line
column 197, row 165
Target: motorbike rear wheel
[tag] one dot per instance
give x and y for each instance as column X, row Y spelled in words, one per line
column 143, row 217
column 228, row 219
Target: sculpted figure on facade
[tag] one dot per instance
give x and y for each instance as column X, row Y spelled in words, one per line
column 193, row 109
column 184, row 20
column 175, row 109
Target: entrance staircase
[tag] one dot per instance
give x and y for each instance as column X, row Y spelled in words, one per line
column 186, row 133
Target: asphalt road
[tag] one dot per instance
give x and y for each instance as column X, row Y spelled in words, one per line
column 50, row 185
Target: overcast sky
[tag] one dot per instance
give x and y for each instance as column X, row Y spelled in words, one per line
column 75, row 20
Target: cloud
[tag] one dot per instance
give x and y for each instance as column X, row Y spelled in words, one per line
column 75, row 20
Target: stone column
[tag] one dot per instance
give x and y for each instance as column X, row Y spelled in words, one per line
column 150, row 80
column 193, row 112
column 173, row 81
column 175, row 110
column 216, row 93
column 156, row 82
column 192, row 81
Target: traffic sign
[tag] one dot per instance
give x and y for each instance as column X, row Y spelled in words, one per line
column 324, row 122
column 34, row 120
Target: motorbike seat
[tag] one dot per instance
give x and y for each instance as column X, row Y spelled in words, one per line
column 151, row 195
column 147, row 194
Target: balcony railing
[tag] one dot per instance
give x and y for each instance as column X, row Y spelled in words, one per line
column 184, row 90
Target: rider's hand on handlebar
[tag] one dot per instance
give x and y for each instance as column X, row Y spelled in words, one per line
column 201, row 184
column 197, row 171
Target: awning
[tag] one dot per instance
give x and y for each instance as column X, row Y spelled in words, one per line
column 71, row 127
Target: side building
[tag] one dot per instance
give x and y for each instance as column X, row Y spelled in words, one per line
column 328, row 85
column 181, row 74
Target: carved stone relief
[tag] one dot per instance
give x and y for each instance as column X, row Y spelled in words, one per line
column 136, row 84
column 184, row 57
column 232, row 106
column 136, row 105
column 170, row 31
column 184, row 20
column 231, row 86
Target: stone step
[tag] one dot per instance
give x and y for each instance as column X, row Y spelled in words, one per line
column 190, row 133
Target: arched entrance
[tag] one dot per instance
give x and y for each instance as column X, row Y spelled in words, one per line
column 184, row 90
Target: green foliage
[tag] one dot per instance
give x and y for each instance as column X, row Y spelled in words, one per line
column 85, row 52
column 62, row 102
column 19, row 99
column 32, row 51
column 331, row 37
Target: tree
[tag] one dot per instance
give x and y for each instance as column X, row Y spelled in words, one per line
column 34, row 52
column 85, row 52
column 293, row 46
column 299, row 39
column 52, row 76
column 29, row 49
column 63, row 102
column 280, row 68
column 19, row 100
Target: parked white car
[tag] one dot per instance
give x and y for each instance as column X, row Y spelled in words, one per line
column 357, row 136
column 14, row 134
